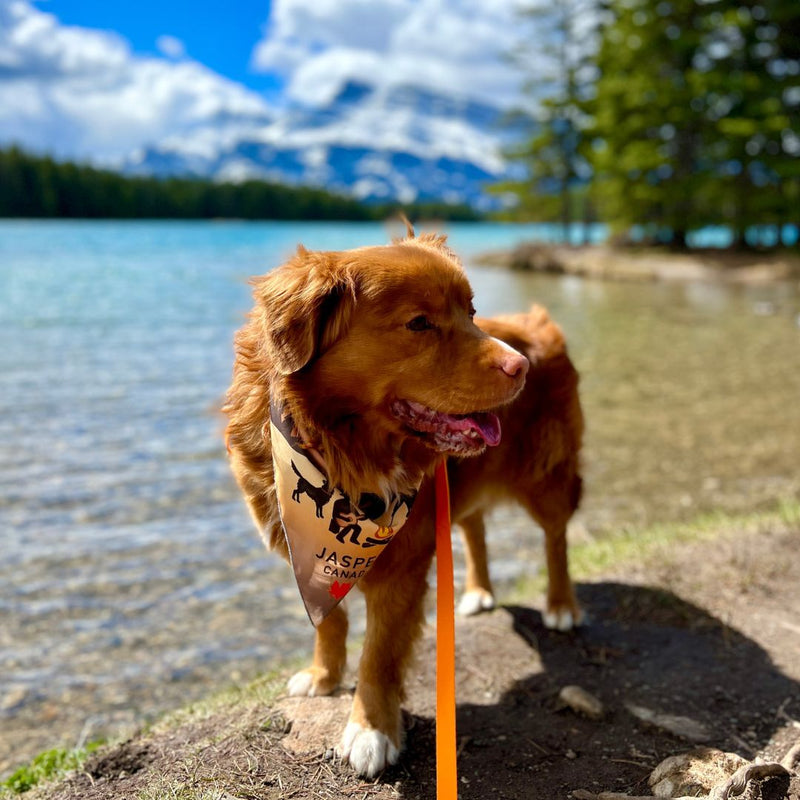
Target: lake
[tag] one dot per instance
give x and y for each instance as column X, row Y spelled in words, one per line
column 132, row 579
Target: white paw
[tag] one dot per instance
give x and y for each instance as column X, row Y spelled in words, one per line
column 301, row 684
column 562, row 619
column 475, row 601
column 368, row 751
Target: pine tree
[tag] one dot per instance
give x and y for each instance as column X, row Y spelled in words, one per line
column 559, row 65
column 696, row 115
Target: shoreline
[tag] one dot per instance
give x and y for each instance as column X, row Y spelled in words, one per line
column 641, row 592
column 607, row 262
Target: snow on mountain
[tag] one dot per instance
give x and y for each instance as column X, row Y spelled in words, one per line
column 376, row 143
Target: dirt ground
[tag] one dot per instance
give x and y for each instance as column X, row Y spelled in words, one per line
column 700, row 646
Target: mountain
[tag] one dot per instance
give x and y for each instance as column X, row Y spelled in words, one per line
column 403, row 143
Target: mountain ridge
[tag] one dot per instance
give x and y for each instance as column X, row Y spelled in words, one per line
column 406, row 143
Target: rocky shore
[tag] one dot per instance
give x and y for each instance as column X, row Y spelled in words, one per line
column 650, row 264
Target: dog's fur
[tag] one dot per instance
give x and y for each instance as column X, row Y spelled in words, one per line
column 537, row 465
column 339, row 339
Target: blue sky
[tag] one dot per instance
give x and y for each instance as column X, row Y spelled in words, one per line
column 101, row 80
column 222, row 41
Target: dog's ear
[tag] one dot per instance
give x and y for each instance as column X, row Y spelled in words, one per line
column 303, row 307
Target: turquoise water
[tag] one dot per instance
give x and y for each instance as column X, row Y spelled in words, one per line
column 116, row 348
column 131, row 576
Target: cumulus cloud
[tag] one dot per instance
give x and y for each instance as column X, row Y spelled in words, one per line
column 171, row 47
column 81, row 93
column 458, row 47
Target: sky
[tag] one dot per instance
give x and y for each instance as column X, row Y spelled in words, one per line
column 194, row 29
column 97, row 79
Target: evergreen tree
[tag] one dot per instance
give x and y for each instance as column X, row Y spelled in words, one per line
column 695, row 113
column 559, row 61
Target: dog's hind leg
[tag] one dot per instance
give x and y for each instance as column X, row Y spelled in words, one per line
column 330, row 656
column 478, row 595
column 552, row 503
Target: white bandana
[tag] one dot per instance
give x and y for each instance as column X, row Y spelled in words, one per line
column 332, row 542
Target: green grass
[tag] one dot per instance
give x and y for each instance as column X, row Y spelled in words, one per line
column 640, row 545
column 261, row 691
column 49, row 765
column 53, row 764
column 177, row 790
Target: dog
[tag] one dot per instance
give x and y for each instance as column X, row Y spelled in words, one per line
column 319, row 494
column 375, row 358
column 537, row 465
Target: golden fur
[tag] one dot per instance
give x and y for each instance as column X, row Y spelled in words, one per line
column 537, row 464
column 346, row 341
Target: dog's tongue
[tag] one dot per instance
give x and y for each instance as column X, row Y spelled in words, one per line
column 484, row 423
column 450, row 433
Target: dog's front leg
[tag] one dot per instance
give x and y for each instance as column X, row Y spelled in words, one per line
column 395, row 593
column 330, row 656
column 373, row 736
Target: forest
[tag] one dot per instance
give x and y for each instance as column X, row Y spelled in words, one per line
column 664, row 115
column 36, row 186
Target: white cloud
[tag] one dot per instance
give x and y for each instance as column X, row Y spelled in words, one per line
column 81, row 93
column 171, row 46
column 459, row 47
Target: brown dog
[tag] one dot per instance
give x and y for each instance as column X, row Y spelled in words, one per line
column 375, row 356
column 536, row 465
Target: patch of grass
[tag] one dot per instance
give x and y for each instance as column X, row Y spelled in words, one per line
column 49, row 765
column 641, row 545
column 261, row 691
column 53, row 764
column 179, row 790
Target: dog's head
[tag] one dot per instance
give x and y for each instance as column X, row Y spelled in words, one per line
column 378, row 345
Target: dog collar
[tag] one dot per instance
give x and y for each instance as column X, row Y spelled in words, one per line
column 333, row 542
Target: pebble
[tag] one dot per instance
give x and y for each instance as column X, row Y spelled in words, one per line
column 683, row 727
column 581, row 702
column 14, row 698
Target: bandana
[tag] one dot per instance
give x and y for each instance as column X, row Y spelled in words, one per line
column 333, row 542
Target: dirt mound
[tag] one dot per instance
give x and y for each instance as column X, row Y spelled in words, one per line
column 700, row 648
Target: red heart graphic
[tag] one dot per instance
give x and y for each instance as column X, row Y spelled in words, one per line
column 339, row 590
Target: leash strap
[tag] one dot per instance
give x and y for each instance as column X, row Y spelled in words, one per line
column 446, row 772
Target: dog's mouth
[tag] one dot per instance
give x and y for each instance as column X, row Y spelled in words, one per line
column 456, row 434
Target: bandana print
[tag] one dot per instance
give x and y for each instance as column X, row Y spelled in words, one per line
column 333, row 542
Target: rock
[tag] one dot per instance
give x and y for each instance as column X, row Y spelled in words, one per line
column 314, row 723
column 534, row 257
column 694, row 773
column 14, row 698
column 581, row 702
column 684, row 727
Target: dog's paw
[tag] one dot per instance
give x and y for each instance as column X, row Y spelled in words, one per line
column 475, row 601
column 562, row 618
column 369, row 751
column 311, row 682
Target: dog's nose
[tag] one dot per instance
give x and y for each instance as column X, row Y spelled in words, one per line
column 514, row 365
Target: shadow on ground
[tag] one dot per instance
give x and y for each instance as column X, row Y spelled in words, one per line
column 643, row 649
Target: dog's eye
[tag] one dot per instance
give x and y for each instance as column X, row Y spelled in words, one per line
column 420, row 323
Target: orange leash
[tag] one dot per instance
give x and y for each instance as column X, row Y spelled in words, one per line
column 446, row 772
